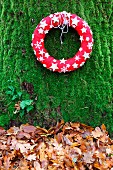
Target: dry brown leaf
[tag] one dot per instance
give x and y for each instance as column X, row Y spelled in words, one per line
column 68, row 162
column 2, row 131
column 28, row 128
column 97, row 132
column 7, row 162
column 103, row 127
column 37, row 166
column 31, row 157
column 13, row 130
column 23, row 165
column 88, row 157
column 21, row 135
column 20, row 145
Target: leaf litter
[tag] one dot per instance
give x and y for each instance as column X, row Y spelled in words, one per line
column 66, row 146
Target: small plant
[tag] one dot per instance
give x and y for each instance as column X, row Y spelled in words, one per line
column 15, row 95
column 22, row 106
column 26, row 105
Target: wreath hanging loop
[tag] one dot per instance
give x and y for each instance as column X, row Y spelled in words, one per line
column 63, row 25
column 62, row 20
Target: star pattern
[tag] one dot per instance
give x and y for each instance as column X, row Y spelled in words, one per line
column 81, row 38
column 51, row 15
column 43, row 24
column 67, row 65
column 51, row 26
column 44, row 65
column 77, row 58
column 90, row 45
column 41, row 52
column 83, row 30
column 41, row 40
column 80, row 49
column 38, row 44
column 87, row 38
column 86, row 55
column 75, row 21
column 54, row 60
column 62, row 65
column 41, row 58
column 75, row 65
column 82, row 64
column 62, row 61
column 41, row 31
column 85, row 24
column 63, row 69
column 54, row 67
column 46, row 55
column 55, row 19
column 46, row 31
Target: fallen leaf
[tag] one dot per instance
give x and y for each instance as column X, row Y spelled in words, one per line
column 31, row 157
column 28, row 128
column 88, row 157
column 97, row 132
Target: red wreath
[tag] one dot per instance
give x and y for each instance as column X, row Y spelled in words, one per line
column 54, row 21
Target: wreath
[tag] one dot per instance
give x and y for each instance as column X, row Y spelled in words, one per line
column 61, row 20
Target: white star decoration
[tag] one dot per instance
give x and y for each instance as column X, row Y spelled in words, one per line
column 83, row 29
column 75, row 65
column 77, row 58
column 67, row 65
column 44, row 65
column 90, row 45
column 64, row 12
column 54, row 60
column 54, row 67
column 86, row 55
column 41, row 40
column 46, row 31
column 46, row 55
column 41, row 52
column 62, row 61
column 51, row 26
column 85, row 24
column 80, row 49
column 55, row 19
column 81, row 38
column 51, row 15
column 75, row 21
column 40, row 31
column 64, row 69
column 38, row 44
column 82, row 64
column 43, row 24
column 41, row 58
column 87, row 38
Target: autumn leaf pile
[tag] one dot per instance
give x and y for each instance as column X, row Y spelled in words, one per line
column 67, row 146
